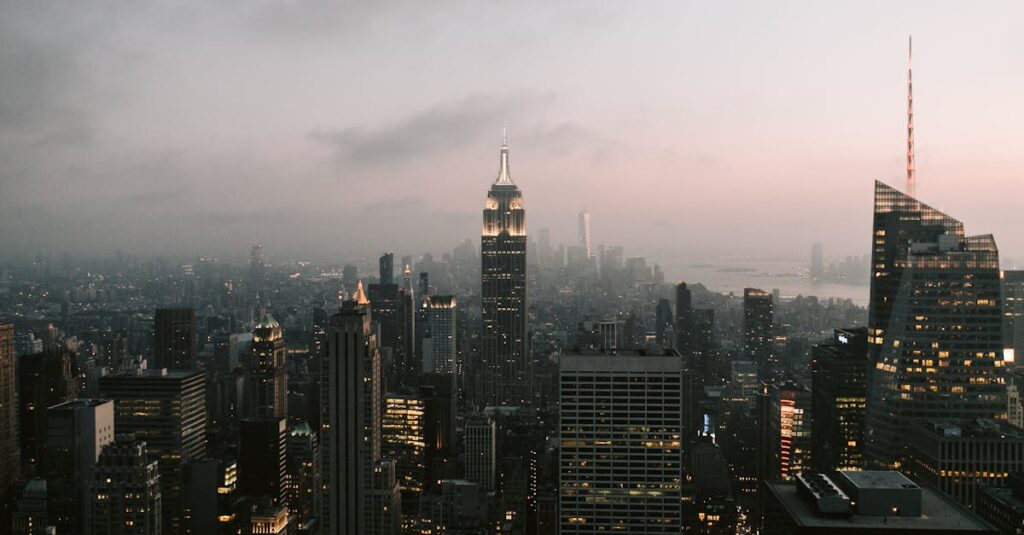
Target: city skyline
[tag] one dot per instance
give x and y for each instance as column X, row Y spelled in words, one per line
column 722, row 124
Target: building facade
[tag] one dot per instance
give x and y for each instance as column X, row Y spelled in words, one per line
column 504, row 369
column 620, row 458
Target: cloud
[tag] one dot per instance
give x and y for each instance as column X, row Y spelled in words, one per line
column 441, row 129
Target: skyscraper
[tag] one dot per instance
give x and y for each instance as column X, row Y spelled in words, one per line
column 505, row 362
column 584, row 233
column 9, row 451
column 758, row 332
column 1013, row 312
column 268, row 374
column 44, row 379
column 76, row 432
column 384, row 303
column 174, row 339
column 441, row 356
column 350, row 419
column 403, row 436
column 387, row 268
column 262, row 469
column 621, row 426
column 124, row 494
column 839, row 390
column 817, row 262
column 407, row 308
column 936, row 323
column 787, row 423
column 481, row 462
column 167, row 410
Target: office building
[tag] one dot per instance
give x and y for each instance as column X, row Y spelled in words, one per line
column 404, row 442
column 124, row 493
column 839, row 389
column 44, row 379
column 960, row 457
column 167, row 410
column 174, row 339
column 481, row 453
column 584, row 234
column 936, row 331
column 350, row 420
column 505, row 362
column 866, row 502
column 1003, row 507
column 384, row 303
column 10, row 453
column 787, row 423
column 387, row 268
column 77, row 431
column 621, row 419
column 262, row 463
column 267, row 380
column 30, row 511
column 442, row 355
column 1013, row 312
column 407, row 309
column 759, row 333
column 303, row 456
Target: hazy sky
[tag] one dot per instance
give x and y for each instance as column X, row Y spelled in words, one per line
column 330, row 129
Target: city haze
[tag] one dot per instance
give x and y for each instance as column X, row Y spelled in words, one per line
column 335, row 129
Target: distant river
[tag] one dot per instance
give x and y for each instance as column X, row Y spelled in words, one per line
column 790, row 278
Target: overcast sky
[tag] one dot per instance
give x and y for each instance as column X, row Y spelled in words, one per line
column 329, row 129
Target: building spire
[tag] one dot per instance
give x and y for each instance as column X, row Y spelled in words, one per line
column 360, row 296
column 911, row 183
column 504, row 177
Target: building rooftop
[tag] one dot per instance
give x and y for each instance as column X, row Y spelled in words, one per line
column 937, row 511
column 879, row 479
column 632, row 360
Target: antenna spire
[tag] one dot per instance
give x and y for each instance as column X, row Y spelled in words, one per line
column 911, row 183
column 504, row 176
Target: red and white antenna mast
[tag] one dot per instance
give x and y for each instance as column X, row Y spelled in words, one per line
column 911, row 184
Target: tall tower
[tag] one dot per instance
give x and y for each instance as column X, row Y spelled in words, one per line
column 504, row 370
column 268, row 375
column 911, row 184
column 174, row 339
column 758, row 332
column 585, row 233
column 935, row 324
column 9, row 452
column 350, row 419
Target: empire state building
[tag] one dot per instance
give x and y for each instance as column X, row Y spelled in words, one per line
column 505, row 361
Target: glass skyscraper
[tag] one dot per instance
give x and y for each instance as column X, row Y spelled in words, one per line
column 935, row 323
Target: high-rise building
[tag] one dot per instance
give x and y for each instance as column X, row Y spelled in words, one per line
column 441, row 356
column 384, row 303
column 10, row 464
column 584, row 233
column 621, row 425
column 863, row 503
column 404, row 442
column 1003, row 507
column 30, row 516
column 77, row 431
column 839, row 390
column 124, row 493
column 663, row 323
column 174, row 339
column 44, row 379
column 256, row 269
column 167, row 410
column 349, row 277
column 350, row 420
column 787, row 427
column 262, row 470
column 387, row 268
column 758, row 332
column 817, row 270
column 268, row 375
column 958, row 458
column 303, row 471
column 935, row 324
column 481, row 456
column 407, row 309
column 505, row 362
column 1013, row 312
